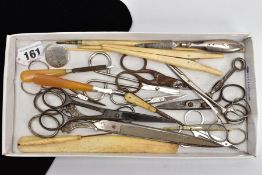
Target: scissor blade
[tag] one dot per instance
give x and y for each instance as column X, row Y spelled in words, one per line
column 85, row 98
column 161, row 89
column 184, row 105
column 151, row 133
column 96, row 102
column 132, row 116
column 163, row 98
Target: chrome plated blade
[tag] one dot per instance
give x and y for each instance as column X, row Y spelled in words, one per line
column 166, row 98
column 185, row 105
column 161, row 89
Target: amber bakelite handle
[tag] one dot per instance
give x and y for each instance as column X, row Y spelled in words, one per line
column 47, row 80
column 132, row 98
column 27, row 75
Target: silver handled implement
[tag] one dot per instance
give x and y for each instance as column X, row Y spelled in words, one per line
column 219, row 45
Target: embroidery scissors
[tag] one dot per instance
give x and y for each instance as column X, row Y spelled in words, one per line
column 118, row 115
column 63, row 110
column 156, row 84
column 199, row 104
column 210, row 129
column 218, row 109
column 151, row 100
column 57, row 93
column 196, row 133
column 158, row 79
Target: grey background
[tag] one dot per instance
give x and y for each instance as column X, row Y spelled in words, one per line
column 177, row 16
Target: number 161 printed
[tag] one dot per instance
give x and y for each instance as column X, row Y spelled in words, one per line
column 29, row 53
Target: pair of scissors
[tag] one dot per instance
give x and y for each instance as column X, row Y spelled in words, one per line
column 199, row 104
column 238, row 64
column 160, row 82
column 62, row 111
column 211, row 130
column 196, row 133
column 151, row 100
column 219, row 110
column 57, row 93
column 116, row 114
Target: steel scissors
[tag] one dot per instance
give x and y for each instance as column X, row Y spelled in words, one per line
column 199, row 104
column 218, row 109
column 217, row 87
column 156, row 84
column 150, row 100
column 57, row 93
column 196, row 133
column 211, row 130
column 116, row 114
column 65, row 109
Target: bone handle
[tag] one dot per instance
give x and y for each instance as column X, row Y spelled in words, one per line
column 94, row 144
column 172, row 53
column 188, row 64
column 131, row 98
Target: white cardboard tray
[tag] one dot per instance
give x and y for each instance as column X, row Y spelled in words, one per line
column 18, row 107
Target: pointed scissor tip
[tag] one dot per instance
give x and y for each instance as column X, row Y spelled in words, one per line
column 237, row 149
column 96, row 102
